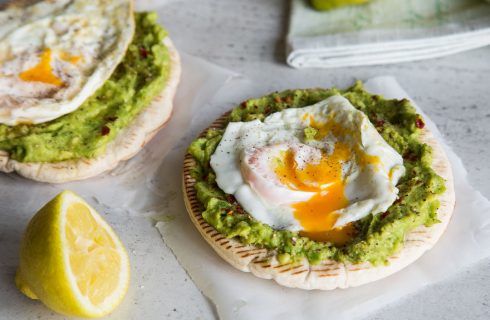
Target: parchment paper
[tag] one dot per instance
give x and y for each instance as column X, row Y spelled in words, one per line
column 148, row 189
column 129, row 198
column 239, row 295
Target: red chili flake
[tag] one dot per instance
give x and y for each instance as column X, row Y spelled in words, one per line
column 230, row 198
column 379, row 123
column 105, row 130
column 384, row 214
column 240, row 210
column 277, row 99
column 243, row 105
column 419, row 123
column 143, row 52
column 398, row 200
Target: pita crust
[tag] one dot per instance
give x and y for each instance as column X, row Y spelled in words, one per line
column 127, row 143
column 329, row 274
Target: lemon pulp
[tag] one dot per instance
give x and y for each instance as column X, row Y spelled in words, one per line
column 94, row 260
column 72, row 260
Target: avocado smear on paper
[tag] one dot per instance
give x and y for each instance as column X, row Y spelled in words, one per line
column 85, row 132
column 378, row 236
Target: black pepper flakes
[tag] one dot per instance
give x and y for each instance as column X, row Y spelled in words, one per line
column 410, row 156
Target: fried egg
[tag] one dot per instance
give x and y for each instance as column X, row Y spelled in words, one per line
column 56, row 54
column 314, row 169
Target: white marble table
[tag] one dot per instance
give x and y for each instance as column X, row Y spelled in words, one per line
column 248, row 37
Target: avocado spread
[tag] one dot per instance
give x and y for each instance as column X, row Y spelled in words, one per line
column 84, row 133
column 376, row 237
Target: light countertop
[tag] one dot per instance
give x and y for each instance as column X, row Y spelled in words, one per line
column 248, row 37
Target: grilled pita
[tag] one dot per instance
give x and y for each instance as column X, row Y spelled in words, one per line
column 127, row 143
column 329, row 274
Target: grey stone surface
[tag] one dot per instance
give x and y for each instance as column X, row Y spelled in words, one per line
column 248, row 37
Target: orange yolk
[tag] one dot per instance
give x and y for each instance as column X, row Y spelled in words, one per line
column 318, row 215
column 42, row 72
column 336, row 129
column 326, row 128
column 68, row 58
column 338, row 236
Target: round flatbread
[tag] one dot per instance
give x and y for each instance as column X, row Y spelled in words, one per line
column 329, row 274
column 127, row 143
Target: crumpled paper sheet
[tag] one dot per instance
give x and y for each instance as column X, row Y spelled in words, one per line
column 130, row 198
column 239, row 295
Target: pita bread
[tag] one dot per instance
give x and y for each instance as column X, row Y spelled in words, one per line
column 329, row 274
column 127, row 143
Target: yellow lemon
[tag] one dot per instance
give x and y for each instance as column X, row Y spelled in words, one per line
column 72, row 260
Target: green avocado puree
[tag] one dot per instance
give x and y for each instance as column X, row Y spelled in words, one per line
column 376, row 236
column 84, row 133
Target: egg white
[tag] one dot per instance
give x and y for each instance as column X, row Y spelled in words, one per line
column 368, row 189
column 83, row 41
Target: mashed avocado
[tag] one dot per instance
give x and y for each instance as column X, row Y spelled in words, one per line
column 376, row 236
column 85, row 132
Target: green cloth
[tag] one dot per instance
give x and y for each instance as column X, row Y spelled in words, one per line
column 385, row 31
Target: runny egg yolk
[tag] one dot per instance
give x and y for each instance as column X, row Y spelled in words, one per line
column 326, row 128
column 42, row 72
column 318, row 214
column 336, row 129
column 69, row 58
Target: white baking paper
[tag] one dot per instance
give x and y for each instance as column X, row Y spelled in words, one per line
column 148, row 189
column 239, row 295
column 129, row 198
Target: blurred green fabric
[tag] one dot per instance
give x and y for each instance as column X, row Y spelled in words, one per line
column 393, row 28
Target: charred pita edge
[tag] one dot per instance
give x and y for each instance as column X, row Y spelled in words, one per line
column 329, row 274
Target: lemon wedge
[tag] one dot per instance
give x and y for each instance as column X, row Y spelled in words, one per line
column 72, row 260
